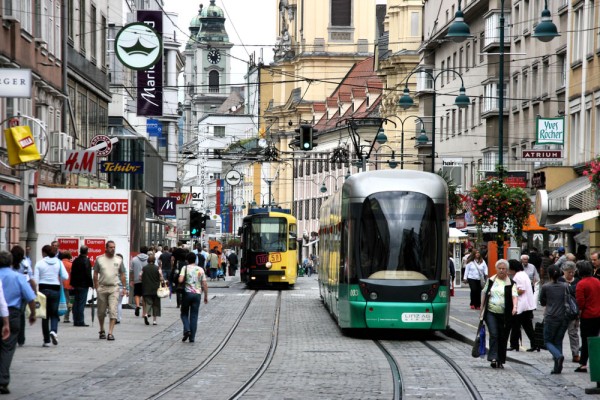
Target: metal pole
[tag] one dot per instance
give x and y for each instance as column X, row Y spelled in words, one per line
column 500, row 229
column 364, row 162
column 402, row 145
column 269, row 198
column 433, row 131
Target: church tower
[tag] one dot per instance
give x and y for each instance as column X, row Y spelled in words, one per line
column 207, row 63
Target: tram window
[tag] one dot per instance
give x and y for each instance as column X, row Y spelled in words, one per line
column 293, row 237
column 397, row 238
column 269, row 235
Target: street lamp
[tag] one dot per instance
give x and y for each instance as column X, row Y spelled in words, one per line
column 392, row 163
column 461, row 101
column 422, row 136
column 545, row 32
column 323, row 188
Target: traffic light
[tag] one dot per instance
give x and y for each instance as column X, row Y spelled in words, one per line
column 196, row 222
column 306, row 139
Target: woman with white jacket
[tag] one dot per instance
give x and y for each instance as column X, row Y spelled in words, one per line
column 476, row 272
column 47, row 272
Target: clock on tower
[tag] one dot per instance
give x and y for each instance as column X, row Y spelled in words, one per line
column 214, row 56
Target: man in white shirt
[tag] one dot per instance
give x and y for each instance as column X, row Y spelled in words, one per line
column 530, row 270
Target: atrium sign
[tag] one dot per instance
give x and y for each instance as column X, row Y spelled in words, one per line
column 550, row 130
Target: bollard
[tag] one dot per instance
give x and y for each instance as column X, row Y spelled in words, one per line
column 594, row 364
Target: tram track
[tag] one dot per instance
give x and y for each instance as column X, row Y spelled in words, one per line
column 224, row 345
column 404, row 371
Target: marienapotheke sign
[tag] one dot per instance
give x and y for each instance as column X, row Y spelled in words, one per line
column 15, row 82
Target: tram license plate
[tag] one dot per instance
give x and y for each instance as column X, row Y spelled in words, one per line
column 417, row 317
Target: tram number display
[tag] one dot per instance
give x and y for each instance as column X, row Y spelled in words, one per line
column 263, row 258
column 417, row 317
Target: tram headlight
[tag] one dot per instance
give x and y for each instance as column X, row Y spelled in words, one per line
column 268, row 265
column 373, row 295
column 424, row 296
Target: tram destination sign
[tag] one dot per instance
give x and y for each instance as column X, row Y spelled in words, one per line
column 542, row 155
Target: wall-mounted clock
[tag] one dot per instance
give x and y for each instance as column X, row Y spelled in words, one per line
column 214, row 56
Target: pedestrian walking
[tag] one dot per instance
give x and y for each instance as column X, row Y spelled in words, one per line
column 121, row 294
column 531, row 272
column 195, row 285
column 233, row 263
column 16, row 291
column 108, row 269
column 47, row 273
column 151, row 279
column 67, row 259
column 500, row 297
column 213, row 263
column 22, row 264
column 164, row 263
column 137, row 263
column 587, row 294
column 81, row 281
column 595, row 258
column 525, row 306
column 569, row 269
column 476, row 273
column 552, row 296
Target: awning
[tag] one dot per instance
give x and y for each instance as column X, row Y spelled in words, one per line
column 9, row 199
column 577, row 218
column 456, row 236
column 576, row 194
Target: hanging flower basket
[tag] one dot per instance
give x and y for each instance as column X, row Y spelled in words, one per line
column 592, row 171
column 492, row 198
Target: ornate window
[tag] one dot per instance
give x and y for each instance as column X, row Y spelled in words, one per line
column 341, row 12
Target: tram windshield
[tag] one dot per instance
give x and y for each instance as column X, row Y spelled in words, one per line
column 398, row 236
column 268, row 234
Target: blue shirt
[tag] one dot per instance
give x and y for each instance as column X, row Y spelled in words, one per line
column 15, row 287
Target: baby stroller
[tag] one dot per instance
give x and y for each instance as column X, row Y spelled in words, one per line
column 220, row 274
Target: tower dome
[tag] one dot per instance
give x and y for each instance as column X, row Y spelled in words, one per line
column 212, row 24
column 195, row 25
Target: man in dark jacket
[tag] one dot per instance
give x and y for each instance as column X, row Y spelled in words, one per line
column 233, row 263
column 81, row 280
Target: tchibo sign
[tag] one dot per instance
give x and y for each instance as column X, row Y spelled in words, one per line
column 15, row 82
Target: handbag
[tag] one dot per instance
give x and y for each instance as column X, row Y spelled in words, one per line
column 62, row 303
column 163, row 290
column 476, row 350
column 40, row 306
column 571, row 309
column 181, row 285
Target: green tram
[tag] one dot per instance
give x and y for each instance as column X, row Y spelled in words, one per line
column 269, row 248
column 384, row 251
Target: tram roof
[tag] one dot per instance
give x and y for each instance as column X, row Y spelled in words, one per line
column 364, row 184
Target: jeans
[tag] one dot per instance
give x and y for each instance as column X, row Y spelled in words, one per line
column 79, row 305
column 52, row 300
column 554, row 333
column 499, row 330
column 190, row 309
column 7, row 347
column 21, row 338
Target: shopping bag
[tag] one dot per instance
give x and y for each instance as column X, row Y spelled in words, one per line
column 20, row 145
column 62, row 303
column 482, row 349
column 476, row 350
column 40, row 306
column 538, row 335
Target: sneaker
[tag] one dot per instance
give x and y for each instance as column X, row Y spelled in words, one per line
column 54, row 338
column 154, row 323
column 45, row 344
column 137, row 311
column 146, row 320
column 4, row 389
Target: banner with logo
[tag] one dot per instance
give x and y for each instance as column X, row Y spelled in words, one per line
column 165, row 206
column 550, row 130
column 150, row 81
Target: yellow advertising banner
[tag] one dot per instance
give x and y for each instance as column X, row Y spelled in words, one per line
column 20, row 145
